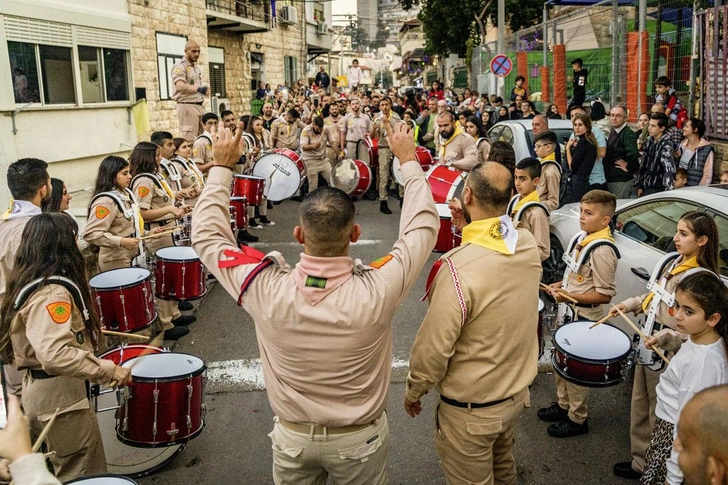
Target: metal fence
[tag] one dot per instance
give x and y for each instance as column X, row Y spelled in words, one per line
column 711, row 93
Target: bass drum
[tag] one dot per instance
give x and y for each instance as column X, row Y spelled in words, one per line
column 352, row 176
column 367, row 150
column 283, row 171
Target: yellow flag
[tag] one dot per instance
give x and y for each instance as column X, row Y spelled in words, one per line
column 140, row 111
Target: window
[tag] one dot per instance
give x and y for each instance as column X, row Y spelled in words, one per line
column 103, row 74
column 55, row 85
column 170, row 50
column 291, row 70
column 217, row 71
column 116, row 74
column 24, row 69
column 653, row 223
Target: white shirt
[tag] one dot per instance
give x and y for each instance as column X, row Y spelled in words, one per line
column 355, row 75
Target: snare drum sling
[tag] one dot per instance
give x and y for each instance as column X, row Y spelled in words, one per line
column 54, row 348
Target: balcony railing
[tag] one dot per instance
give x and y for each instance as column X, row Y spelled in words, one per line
column 258, row 11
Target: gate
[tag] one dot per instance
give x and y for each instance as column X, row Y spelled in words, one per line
column 713, row 89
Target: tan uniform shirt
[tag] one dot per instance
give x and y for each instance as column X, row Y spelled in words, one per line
column 549, row 185
column 356, row 128
column 106, row 227
column 494, row 355
column 335, row 126
column 188, row 179
column 326, row 352
column 535, row 221
column 308, row 136
column 483, row 150
column 461, row 151
column 11, row 233
column 150, row 196
column 379, row 125
column 596, row 274
column 284, row 134
column 202, row 150
column 190, row 73
column 49, row 333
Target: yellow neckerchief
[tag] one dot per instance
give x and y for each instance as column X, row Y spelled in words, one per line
column 532, row 197
column 192, row 166
column 496, row 233
column 166, row 187
column 443, row 144
column 603, row 234
column 549, row 158
column 682, row 267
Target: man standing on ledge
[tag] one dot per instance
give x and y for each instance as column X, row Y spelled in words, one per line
column 189, row 92
column 324, row 327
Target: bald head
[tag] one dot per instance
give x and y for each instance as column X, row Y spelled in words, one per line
column 657, row 108
column 702, row 440
column 491, row 184
column 192, row 51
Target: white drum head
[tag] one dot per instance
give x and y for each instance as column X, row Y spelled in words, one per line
column 178, row 253
column 443, row 211
column 541, row 305
column 604, row 342
column 362, row 151
column 396, row 172
column 103, row 480
column 118, row 278
column 282, row 176
column 165, row 365
column 345, row 175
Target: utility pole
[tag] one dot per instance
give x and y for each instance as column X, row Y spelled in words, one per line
column 501, row 41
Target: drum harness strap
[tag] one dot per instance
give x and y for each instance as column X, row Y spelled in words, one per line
column 554, row 162
column 172, row 172
column 191, row 167
column 456, row 281
column 524, row 208
column 131, row 213
column 247, row 255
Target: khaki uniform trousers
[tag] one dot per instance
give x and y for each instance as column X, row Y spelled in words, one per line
column 332, row 156
column 351, row 149
column 476, row 446
column 642, row 413
column 168, row 310
column 190, row 121
column 358, row 458
column 385, row 159
column 572, row 397
column 313, row 169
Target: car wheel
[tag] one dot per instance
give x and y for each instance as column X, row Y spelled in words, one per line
column 554, row 266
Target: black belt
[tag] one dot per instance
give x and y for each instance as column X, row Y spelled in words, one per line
column 584, row 305
column 148, row 225
column 40, row 374
column 199, row 103
column 472, row 405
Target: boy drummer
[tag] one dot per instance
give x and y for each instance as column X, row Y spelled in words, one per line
column 526, row 208
column 589, row 278
column 548, row 187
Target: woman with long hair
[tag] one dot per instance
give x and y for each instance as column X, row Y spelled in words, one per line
column 60, row 201
column 486, row 117
column 474, row 128
column 156, row 205
column 581, row 155
column 553, row 113
column 599, row 118
column 696, row 154
column 48, row 329
column 261, row 144
column 642, row 134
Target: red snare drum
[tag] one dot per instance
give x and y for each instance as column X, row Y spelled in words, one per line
column 179, row 274
column 352, row 176
column 250, row 187
column 446, row 183
column 119, row 355
column 124, row 299
column 164, row 403
column 446, row 236
column 283, row 171
column 422, row 155
column 367, row 150
column 591, row 357
column 239, row 212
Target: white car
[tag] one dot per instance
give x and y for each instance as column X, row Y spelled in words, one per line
column 519, row 134
column 643, row 230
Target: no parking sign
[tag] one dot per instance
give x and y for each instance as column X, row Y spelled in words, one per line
column 501, row 65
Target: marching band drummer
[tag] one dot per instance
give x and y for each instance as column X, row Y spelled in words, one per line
column 696, row 242
column 455, row 147
column 262, row 143
column 191, row 175
column 381, row 127
column 48, row 329
column 170, row 171
column 156, row 204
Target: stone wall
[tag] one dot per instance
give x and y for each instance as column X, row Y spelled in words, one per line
column 176, row 17
column 237, row 68
column 721, row 154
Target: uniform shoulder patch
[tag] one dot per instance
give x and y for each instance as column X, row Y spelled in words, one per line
column 378, row 263
column 143, row 191
column 102, row 212
column 59, row 311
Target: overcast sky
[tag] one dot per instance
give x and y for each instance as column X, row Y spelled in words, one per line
column 339, row 7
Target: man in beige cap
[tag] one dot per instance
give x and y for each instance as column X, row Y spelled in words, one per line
column 189, row 92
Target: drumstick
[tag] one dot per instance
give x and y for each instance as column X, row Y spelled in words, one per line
column 641, row 334
column 157, row 342
column 163, row 233
column 599, row 322
column 560, row 293
column 125, row 335
column 44, row 433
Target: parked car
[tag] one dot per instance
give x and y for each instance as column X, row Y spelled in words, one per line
column 519, row 134
column 643, row 230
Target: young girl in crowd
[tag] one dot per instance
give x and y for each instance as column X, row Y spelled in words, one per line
column 701, row 312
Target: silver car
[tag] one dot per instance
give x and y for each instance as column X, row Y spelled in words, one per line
column 519, row 134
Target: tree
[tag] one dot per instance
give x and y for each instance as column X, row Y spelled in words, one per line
column 382, row 36
column 385, row 76
column 448, row 25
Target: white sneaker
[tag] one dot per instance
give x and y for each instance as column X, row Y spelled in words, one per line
column 264, row 221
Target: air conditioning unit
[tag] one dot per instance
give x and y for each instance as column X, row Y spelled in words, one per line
column 321, row 28
column 288, row 15
column 218, row 105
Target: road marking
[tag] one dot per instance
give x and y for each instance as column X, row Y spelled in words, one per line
column 248, row 374
column 266, row 244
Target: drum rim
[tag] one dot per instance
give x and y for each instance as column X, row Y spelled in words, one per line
column 160, row 444
column 585, row 359
column 144, row 346
column 158, row 466
column 103, row 475
column 185, row 260
column 243, row 176
column 174, row 378
column 121, row 287
column 579, row 382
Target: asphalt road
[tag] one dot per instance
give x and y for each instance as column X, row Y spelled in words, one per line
column 234, row 447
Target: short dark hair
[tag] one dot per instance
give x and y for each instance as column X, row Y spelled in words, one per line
column 294, row 113
column 26, row 177
column 681, row 172
column 577, row 61
column 530, row 165
column 698, row 125
column 607, row 201
column 662, row 119
column 226, row 112
column 158, row 137
column 663, row 81
column 209, row 116
column 520, row 78
column 498, row 99
column 327, row 215
column 466, row 112
column 485, row 188
column 548, row 136
column 385, row 98
column 318, row 121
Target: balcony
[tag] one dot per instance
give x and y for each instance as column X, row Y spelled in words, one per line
column 241, row 16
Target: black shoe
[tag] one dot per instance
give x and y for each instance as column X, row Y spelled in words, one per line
column 401, row 201
column 175, row 333
column 278, row 202
column 384, row 208
column 297, row 198
column 245, row 237
column 370, row 196
column 184, row 320
column 624, row 470
column 266, row 222
column 552, row 413
column 353, row 199
column 185, row 306
column 567, row 428
column 268, row 204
